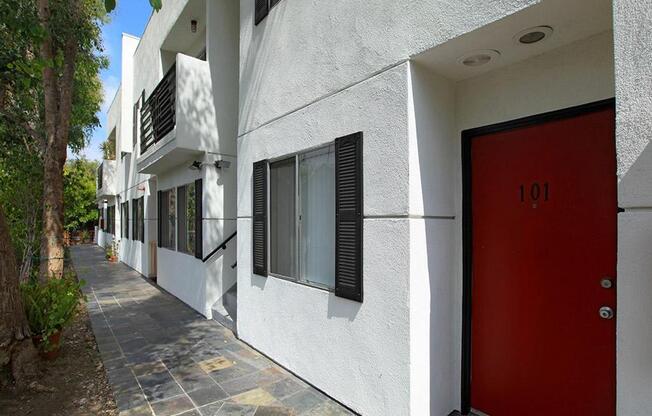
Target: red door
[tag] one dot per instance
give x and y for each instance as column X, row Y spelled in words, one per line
column 543, row 239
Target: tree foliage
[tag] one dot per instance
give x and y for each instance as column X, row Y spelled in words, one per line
column 109, row 5
column 79, row 194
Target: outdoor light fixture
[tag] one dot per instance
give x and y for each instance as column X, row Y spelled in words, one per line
column 219, row 164
column 193, row 26
column 479, row 58
column 533, row 35
column 196, row 165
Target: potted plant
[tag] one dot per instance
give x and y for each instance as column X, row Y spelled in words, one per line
column 112, row 252
column 49, row 308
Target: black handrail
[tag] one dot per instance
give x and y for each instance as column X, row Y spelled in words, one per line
column 221, row 246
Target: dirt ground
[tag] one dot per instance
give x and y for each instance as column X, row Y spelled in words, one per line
column 74, row 384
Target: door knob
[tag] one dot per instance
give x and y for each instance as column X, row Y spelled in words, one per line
column 606, row 312
column 606, row 283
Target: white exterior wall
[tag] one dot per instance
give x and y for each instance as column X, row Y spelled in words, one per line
column 633, row 35
column 304, row 51
column 129, row 45
column 196, row 283
column 356, row 352
column 147, row 57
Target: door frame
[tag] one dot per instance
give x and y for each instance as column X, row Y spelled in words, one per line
column 467, row 226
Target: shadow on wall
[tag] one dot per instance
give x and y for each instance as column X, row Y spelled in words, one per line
column 635, row 186
column 196, row 101
column 253, row 72
column 342, row 308
column 337, row 307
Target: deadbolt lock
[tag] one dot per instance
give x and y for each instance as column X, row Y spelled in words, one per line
column 607, row 283
column 606, row 312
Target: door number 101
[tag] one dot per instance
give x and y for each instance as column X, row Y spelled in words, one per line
column 534, row 192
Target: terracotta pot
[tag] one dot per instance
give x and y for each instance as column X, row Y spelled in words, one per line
column 113, row 259
column 55, row 344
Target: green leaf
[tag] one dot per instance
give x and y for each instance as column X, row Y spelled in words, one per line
column 109, row 5
column 156, row 4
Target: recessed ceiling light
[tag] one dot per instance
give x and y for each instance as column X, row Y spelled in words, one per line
column 533, row 35
column 478, row 58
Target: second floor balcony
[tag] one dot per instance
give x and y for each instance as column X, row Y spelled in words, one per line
column 106, row 179
column 177, row 120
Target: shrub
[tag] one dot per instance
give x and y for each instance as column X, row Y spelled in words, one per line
column 51, row 306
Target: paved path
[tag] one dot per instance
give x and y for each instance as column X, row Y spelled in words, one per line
column 165, row 359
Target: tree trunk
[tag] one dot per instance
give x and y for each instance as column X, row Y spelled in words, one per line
column 17, row 355
column 52, row 251
column 58, row 95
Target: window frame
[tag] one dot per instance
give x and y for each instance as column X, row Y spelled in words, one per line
column 297, row 217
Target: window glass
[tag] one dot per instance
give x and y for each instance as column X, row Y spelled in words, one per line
column 186, row 220
column 282, row 201
column 168, row 218
column 317, row 216
column 172, row 217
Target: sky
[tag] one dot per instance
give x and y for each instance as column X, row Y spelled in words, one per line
column 130, row 16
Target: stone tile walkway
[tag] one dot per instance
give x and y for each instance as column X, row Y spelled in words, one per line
column 164, row 359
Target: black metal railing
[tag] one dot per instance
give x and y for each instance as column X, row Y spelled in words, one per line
column 100, row 175
column 220, row 247
column 157, row 115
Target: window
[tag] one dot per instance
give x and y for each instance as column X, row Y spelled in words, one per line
column 125, row 219
column 110, row 219
column 138, row 221
column 307, row 217
column 187, row 221
column 168, row 219
column 302, row 217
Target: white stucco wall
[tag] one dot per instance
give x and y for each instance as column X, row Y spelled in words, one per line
column 147, row 57
column 356, row 352
column 109, row 179
column 222, row 48
column 305, row 50
column 633, row 35
column 129, row 45
column 197, row 283
column 196, row 127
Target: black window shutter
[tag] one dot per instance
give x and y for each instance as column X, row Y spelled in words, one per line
column 127, row 218
column 348, row 217
column 262, row 8
column 199, row 212
column 259, row 202
column 273, row 3
column 134, row 219
column 159, row 221
column 141, row 218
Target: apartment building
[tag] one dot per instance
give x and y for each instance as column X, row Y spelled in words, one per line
column 174, row 118
column 434, row 202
